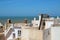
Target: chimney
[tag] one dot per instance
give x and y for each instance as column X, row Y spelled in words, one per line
column 41, row 21
column 1, row 28
column 9, row 21
column 25, row 20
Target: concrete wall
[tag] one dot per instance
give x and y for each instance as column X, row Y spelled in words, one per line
column 52, row 33
column 48, row 24
column 55, row 33
column 11, row 37
column 16, row 32
column 25, row 34
column 47, row 34
column 31, row 34
column 35, row 23
column 36, row 35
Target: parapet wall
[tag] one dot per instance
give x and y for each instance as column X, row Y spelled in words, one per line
column 31, row 34
column 55, row 33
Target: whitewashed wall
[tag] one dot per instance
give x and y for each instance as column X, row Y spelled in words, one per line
column 16, row 34
column 52, row 33
column 36, row 22
column 10, row 37
column 31, row 34
column 47, row 34
column 55, row 33
column 25, row 34
column 48, row 24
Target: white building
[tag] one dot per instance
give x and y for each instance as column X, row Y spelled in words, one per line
column 52, row 28
column 36, row 22
column 14, row 31
column 48, row 22
column 24, row 31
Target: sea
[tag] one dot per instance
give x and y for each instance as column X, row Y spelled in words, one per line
column 16, row 19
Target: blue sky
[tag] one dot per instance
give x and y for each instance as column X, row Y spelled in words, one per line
column 29, row 7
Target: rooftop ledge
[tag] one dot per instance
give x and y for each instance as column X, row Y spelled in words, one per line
column 56, row 25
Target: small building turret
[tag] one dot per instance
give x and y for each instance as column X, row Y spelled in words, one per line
column 1, row 28
column 9, row 21
column 42, row 22
column 25, row 21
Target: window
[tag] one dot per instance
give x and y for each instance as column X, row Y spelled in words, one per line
column 1, row 27
column 19, row 32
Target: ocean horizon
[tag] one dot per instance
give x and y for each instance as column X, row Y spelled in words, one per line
column 15, row 19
